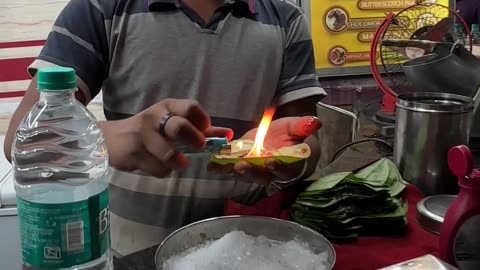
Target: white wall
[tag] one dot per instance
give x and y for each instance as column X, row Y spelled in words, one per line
column 21, row 22
column 24, row 26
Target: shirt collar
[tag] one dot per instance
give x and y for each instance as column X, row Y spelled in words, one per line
column 169, row 4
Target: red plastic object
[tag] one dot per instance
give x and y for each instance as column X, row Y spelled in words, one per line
column 466, row 206
column 389, row 99
column 460, row 161
column 389, row 103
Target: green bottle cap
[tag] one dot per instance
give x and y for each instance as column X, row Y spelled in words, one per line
column 56, row 78
column 475, row 28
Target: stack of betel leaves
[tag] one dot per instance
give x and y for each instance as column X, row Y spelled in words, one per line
column 344, row 206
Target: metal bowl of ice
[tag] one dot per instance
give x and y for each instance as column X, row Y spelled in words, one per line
column 245, row 243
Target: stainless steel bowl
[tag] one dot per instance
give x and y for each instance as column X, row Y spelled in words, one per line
column 211, row 229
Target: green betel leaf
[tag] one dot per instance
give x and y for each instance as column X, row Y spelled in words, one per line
column 397, row 188
column 375, row 174
column 347, row 205
column 393, row 172
column 339, row 190
column 328, row 181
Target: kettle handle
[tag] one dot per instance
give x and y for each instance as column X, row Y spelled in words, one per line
column 454, row 46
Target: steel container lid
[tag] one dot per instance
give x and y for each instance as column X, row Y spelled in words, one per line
column 431, row 211
column 435, row 102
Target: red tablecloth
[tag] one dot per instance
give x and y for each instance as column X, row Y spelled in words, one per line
column 366, row 253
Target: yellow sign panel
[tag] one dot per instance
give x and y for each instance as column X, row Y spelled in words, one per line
column 342, row 31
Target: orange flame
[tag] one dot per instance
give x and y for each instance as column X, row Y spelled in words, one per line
column 257, row 148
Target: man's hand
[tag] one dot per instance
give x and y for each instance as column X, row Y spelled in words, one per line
column 137, row 143
column 283, row 132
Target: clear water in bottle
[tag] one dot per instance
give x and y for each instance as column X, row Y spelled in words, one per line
column 61, row 175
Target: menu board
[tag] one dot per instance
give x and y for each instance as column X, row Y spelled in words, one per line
column 342, row 31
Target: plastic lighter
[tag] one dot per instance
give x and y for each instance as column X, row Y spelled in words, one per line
column 214, row 145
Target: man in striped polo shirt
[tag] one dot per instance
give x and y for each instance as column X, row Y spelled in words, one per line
column 206, row 62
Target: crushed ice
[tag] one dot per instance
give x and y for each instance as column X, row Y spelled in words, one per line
column 239, row 251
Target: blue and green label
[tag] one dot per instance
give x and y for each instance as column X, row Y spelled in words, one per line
column 64, row 235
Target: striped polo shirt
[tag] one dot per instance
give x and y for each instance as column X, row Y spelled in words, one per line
column 252, row 53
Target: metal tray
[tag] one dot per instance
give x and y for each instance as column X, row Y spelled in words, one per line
column 275, row 229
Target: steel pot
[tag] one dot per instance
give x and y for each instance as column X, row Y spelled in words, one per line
column 427, row 126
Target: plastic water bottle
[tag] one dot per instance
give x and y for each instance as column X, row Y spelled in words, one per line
column 60, row 165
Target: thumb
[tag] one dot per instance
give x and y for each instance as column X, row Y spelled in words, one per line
column 219, row 132
column 304, row 126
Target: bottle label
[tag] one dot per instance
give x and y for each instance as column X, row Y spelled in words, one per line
column 467, row 244
column 63, row 235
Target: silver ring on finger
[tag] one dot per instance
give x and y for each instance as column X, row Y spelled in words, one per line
column 163, row 123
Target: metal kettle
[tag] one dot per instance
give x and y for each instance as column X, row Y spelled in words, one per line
column 450, row 69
